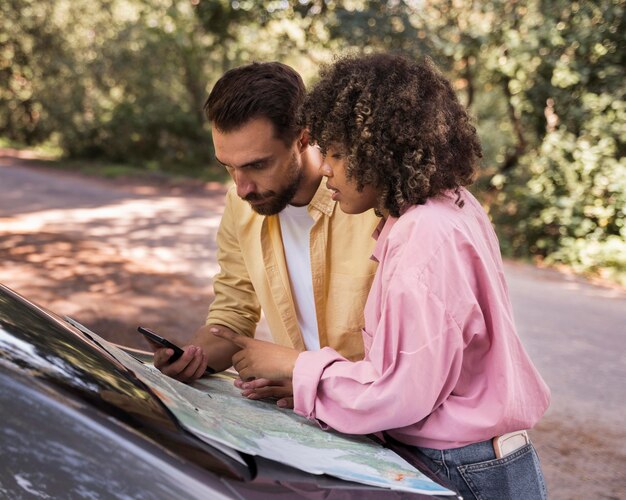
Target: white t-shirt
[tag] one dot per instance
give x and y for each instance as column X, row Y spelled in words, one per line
column 295, row 225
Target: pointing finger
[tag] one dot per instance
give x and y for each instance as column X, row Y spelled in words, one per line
column 238, row 340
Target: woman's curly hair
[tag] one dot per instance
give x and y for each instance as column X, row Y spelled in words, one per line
column 402, row 126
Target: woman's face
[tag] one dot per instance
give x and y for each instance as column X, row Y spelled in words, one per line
column 344, row 191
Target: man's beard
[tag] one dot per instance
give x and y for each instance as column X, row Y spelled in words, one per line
column 275, row 202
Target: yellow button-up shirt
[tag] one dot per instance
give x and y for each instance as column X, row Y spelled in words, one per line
column 253, row 274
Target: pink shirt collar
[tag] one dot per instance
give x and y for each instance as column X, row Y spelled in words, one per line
column 380, row 234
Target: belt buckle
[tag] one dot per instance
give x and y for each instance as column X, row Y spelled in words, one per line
column 508, row 443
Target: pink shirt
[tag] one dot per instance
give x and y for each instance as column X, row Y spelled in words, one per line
column 443, row 364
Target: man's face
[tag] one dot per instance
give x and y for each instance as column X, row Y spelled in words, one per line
column 267, row 173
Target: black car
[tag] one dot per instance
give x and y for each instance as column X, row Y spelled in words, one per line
column 77, row 424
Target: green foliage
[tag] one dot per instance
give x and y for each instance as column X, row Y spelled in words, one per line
column 113, row 79
column 565, row 199
column 26, row 42
column 124, row 81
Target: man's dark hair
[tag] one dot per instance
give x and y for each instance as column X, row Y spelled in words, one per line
column 405, row 131
column 268, row 90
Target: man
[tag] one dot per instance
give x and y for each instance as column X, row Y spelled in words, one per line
column 283, row 245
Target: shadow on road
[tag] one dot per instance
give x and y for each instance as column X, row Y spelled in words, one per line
column 106, row 292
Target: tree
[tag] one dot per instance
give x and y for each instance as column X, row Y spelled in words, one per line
column 125, row 80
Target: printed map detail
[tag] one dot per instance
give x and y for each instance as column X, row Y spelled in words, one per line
column 213, row 410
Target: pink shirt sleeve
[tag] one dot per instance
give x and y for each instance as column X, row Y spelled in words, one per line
column 411, row 367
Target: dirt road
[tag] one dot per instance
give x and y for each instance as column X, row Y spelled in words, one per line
column 114, row 255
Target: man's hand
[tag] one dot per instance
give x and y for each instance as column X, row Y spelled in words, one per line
column 263, row 388
column 259, row 359
column 189, row 367
column 204, row 350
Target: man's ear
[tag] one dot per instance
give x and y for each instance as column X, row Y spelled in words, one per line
column 303, row 140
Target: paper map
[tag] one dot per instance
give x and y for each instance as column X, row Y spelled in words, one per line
column 215, row 412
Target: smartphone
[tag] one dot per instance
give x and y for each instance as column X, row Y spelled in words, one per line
column 157, row 339
column 506, row 444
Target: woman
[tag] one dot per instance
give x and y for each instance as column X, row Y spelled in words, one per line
column 444, row 371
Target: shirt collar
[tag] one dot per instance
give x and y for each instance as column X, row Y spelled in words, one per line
column 322, row 200
column 381, row 233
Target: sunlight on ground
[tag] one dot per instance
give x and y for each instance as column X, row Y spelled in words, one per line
column 163, row 234
column 112, row 266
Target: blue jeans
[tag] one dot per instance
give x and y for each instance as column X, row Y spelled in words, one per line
column 477, row 474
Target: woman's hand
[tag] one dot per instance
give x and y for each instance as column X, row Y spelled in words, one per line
column 262, row 388
column 260, row 359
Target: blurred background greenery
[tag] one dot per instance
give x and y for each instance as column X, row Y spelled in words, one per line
column 124, row 81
